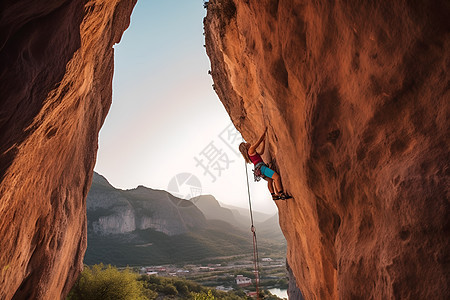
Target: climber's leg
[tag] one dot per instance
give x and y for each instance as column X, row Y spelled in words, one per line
column 277, row 181
column 270, row 185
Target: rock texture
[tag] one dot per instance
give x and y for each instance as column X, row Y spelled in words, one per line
column 56, row 66
column 293, row 291
column 356, row 98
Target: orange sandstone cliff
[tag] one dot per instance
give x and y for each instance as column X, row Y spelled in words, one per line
column 356, row 98
column 56, row 67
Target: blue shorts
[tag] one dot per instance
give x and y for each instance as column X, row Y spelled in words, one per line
column 266, row 171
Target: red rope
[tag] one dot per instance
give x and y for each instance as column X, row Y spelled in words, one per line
column 255, row 242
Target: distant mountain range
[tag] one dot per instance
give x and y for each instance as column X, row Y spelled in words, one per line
column 267, row 225
column 143, row 226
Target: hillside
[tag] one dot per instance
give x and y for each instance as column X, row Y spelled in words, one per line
column 267, row 226
column 115, row 211
column 213, row 210
column 240, row 212
column 143, row 226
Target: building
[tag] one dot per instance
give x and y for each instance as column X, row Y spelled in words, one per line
column 251, row 294
column 224, row 289
column 152, row 273
column 243, row 281
column 182, row 271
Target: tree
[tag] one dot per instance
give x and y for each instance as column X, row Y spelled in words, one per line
column 169, row 289
column 203, row 296
column 100, row 282
column 181, row 287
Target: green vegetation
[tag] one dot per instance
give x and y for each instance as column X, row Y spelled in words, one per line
column 121, row 250
column 270, row 278
column 148, row 247
column 184, row 289
column 108, row 282
column 100, row 282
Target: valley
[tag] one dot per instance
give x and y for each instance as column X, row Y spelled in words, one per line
column 201, row 240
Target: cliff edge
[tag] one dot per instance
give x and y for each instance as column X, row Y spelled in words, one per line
column 56, row 67
column 356, row 98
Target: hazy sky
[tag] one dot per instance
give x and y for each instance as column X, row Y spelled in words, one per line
column 165, row 115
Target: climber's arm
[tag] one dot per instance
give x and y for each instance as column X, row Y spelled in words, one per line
column 252, row 149
column 263, row 147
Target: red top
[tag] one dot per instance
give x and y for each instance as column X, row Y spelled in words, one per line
column 255, row 158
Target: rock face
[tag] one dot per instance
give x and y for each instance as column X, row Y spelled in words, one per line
column 114, row 211
column 56, row 62
column 293, row 290
column 355, row 96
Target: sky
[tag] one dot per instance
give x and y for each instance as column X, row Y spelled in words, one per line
column 166, row 128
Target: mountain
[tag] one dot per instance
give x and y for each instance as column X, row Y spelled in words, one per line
column 213, row 210
column 240, row 212
column 113, row 211
column 267, row 225
column 144, row 226
column 270, row 229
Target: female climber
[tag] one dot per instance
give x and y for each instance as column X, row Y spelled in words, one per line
column 251, row 155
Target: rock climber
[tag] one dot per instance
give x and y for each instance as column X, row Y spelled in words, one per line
column 251, row 155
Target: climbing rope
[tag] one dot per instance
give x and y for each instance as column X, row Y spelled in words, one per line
column 255, row 242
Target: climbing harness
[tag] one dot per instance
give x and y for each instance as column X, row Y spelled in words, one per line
column 257, row 174
column 255, row 243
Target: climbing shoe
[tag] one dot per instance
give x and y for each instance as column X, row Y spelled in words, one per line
column 284, row 196
column 281, row 196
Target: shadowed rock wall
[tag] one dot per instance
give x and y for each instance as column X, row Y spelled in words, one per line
column 56, row 67
column 293, row 291
column 356, row 98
